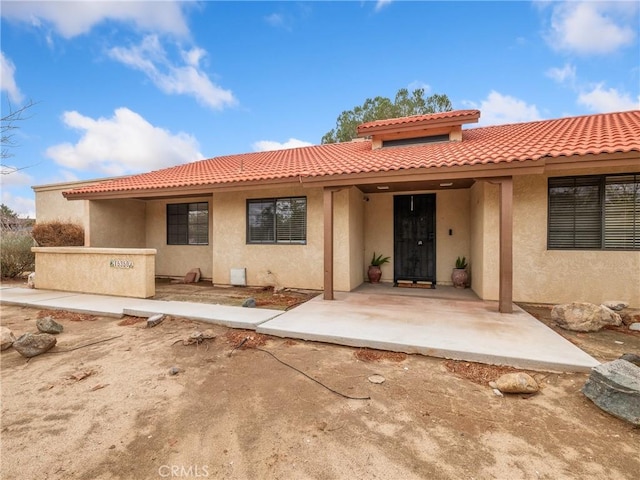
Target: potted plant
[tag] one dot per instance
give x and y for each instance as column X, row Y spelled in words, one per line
column 375, row 272
column 460, row 276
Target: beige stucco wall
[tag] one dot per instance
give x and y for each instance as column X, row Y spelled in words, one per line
column 476, row 237
column 116, row 224
column 452, row 212
column 485, row 239
column 541, row 275
column 559, row 276
column 378, row 232
column 105, row 271
column 177, row 260
column 356, row 237
column 51, row 205
column 298, row 266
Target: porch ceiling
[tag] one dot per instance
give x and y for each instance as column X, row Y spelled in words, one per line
column 382, row 186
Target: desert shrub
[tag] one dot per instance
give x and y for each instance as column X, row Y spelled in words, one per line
column 58, row 234
column 16, row 256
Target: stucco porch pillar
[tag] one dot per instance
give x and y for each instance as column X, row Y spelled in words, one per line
column 328, row 243
column 505, row 293
column 505, row 299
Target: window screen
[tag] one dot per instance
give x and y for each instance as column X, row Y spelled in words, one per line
column 188, row 223
column 594, row 212
column 277, row 220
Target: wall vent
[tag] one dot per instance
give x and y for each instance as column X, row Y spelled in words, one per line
column 238, row 277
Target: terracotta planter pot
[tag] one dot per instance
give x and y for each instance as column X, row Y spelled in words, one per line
column 460, row 277
column 375, row 273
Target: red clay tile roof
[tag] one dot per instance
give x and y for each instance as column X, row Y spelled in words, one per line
column 520, row 142
column 461, row 116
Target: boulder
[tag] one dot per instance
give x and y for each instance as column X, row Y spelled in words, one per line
column 615, row 305
column 49, row 325
column 517, row 382
column 635, row 326
column 7, row 338
column 631, row 358
column 629, row 317
column 584, row 317
column 615, row 388
column 32, row 344
column 249, row 303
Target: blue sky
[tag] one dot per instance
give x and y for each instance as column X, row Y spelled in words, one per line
column 125, row 87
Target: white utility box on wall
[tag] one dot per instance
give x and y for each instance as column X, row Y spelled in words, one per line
column 238, row 277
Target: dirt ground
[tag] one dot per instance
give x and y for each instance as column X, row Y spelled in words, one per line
column 113, row 410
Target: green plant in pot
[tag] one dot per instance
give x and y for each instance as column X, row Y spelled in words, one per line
column 375, row 272
column 460, row 276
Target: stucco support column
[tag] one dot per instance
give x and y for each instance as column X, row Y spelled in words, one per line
column 328, row 243
column 506, row 246
column 505, row 294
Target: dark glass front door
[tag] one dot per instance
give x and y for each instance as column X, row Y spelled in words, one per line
column 414, row 251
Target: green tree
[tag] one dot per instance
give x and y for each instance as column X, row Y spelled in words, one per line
column 379, row 108
column 6, row 212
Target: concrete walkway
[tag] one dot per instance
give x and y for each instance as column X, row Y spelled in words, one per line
column 235, row 317
column 445, row 323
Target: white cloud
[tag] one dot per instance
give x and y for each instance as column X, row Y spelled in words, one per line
column 8, row 81
column 418, row 84
column 267, row 145
column 125, row 143
column 380, row 4
column 275, row 20
column 600, row 100
column 25, row 207
column 150, row 58
column 592, row 27
column 13, row 176
column 499, row 109
column 73, row 19
column 566, row 74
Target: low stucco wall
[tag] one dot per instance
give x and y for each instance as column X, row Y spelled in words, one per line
column 125, row 272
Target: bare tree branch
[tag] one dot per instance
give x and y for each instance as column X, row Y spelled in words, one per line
column 9, row 125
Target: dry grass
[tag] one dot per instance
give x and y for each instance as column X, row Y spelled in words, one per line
column 64, row 315
column 235, row 337
column 370, row 355
column 478, row 372
column 128, row 320
column 58, row 234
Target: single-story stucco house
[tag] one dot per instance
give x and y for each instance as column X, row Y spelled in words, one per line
column 545, row 211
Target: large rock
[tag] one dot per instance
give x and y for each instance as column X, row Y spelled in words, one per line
column 518, row 382
column 616, row 305
column 49, row 325
column 7, row 338
column 584, row 317
column 615, row 388
column 630, row 317
column 32, row 344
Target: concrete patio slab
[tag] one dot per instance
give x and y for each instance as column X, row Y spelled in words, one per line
column 235, row 317
column 442, row 327
column 445, row 323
